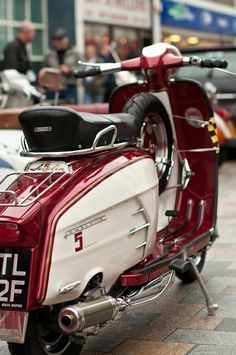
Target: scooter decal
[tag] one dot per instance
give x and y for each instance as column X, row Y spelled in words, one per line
column 49, row 166
column 78, row 237
column 85, row 225
column 213, row 133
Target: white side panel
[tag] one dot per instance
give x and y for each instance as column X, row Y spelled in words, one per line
column 93, row 235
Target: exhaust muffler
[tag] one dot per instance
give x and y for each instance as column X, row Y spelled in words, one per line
column 76, row 317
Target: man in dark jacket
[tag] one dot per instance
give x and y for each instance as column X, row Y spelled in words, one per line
column 65, row 58
column 15, row 54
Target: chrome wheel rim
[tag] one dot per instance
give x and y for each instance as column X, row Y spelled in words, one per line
column 155, row 141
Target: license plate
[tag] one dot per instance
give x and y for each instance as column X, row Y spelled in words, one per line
column 13, row 326
column 14, row 278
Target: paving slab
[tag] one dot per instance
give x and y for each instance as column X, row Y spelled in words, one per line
column 212, row 350
column 203, row 337
column 133, row 347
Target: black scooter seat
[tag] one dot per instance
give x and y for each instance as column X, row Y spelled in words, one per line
column 55, row 128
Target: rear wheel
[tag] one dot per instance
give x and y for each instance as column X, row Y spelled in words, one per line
column 40, row 340
column 189, row 275
column 155, row 131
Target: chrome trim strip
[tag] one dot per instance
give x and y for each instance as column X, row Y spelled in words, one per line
column 141, row 245
column 69, row 287
column 134, row 230
column 200, row 218
column 198, row 150
column 202, row 123
column 139, row 211
column 71, row 153
column 146, row 225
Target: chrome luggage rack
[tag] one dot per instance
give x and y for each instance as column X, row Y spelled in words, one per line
column 40, row 189
column 93, row 149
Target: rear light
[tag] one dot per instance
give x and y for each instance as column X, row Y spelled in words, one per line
column 9, row 232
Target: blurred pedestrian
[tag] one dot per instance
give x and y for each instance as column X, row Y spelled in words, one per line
column 15, row 55
column 65, row 58
column 134, row 49
column 110, row 81
column 94, row 87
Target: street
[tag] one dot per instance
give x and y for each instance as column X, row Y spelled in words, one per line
column 177, row 323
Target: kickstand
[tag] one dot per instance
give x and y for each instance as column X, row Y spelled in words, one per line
column 211, row 307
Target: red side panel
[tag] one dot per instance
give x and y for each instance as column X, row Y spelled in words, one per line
column 196, row 144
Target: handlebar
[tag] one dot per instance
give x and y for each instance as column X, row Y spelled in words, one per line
column 93, row 69
column 90, row 71
column 207, row 63
column 169, row 61
column 214, row 63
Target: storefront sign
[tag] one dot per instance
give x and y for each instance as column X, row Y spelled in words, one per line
column 130, row 13
column 188, row 16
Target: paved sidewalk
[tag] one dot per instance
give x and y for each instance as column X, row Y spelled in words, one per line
column 177, row 323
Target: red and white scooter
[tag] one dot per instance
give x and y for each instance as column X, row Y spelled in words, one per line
column 112, row 208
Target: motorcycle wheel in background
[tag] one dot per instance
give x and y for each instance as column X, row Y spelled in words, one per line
column 156, row 132
column 41, row 340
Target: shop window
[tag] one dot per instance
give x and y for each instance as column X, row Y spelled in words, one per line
column 128, row 43
column 3, row 9
column 37, row 44
column 3, row 37
column 36, row 10
column 96, row 34
column 18, row 8
column 13, row 12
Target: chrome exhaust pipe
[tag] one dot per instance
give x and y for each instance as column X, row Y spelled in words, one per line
column 76, row 317
column 151, row 291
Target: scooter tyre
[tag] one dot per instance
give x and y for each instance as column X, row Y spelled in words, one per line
column 145, row 105
column 190, row 276
column 34, row 342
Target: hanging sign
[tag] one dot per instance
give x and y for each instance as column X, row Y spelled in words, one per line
column 130, row 13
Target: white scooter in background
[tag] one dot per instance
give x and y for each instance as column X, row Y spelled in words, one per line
column 16, row 92
column 10, row 146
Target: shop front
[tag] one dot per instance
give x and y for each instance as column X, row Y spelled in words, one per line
column 125, row 23
column 195, row 23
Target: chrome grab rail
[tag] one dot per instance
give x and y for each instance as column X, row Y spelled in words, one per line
column 23, row 202
column 102, row 132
